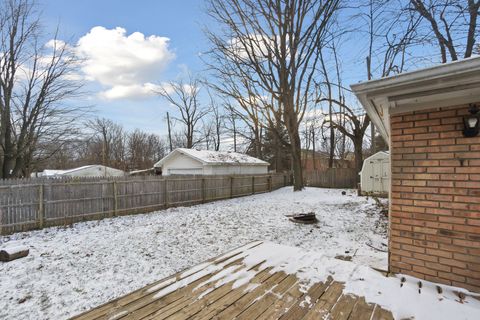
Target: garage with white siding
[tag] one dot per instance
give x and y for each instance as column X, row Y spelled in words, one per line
column 184, row 161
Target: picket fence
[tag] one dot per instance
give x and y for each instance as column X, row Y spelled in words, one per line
column 37, row 203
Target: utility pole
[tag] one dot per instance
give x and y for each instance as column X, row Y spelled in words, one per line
column 169, row 132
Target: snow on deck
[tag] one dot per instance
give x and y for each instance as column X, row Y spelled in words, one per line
column 283, row 282
column 70, row 270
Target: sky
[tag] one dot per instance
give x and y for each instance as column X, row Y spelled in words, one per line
column 130, row 47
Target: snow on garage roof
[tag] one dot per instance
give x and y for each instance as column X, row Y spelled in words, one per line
column 214, row 157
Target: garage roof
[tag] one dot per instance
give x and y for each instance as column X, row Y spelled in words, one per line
column 214, row 157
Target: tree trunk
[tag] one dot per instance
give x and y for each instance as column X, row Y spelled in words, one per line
column 332, row 147
column 358, row 144
column 8, row 146
column 189, row 137
column 472, row 25
column 169, row 133
column 234, row 138
column 297, row 162
column 257, row 143
column 296, row 146
column 313, row 145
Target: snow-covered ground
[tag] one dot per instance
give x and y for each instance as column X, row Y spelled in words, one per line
column 402, row 295
column 70, row 270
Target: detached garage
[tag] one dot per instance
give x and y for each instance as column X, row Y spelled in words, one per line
column 183, row 161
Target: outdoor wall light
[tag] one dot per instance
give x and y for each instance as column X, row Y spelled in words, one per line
column 471, row 122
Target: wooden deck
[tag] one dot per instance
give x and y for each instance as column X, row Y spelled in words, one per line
column 220, row 289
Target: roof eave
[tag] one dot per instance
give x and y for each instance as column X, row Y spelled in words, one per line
column 449, row 84
column 236, row 164
column 469, row 65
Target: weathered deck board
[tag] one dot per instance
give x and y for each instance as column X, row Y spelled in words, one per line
column 210, row 291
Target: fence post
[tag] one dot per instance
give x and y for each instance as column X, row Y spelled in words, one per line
column 203, row 191
column 115, row 199
column 253, row 184
column 41, row 207
column 165, row 192
column 284, row 180
column 105, row 194
column 231, row 187
column 270, row 183
column 330, row 173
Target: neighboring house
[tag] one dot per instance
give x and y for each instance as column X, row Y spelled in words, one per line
column 191, row 161
column 431, row 120
column 85, row 171
column 375, row 174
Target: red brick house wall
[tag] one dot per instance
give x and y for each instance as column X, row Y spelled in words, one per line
column 435, row 198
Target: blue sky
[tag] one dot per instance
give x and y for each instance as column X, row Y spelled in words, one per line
column 180, row 21
column 133, row 46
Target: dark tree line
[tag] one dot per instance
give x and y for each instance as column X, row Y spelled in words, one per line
column 108, row 143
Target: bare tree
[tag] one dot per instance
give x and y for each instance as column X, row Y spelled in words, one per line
column 453, row 24
column 35, row 84
column 213, row 125
column 248, row 105
column 391, row 32
column 354, row 128
column 207, row 132
column 313, row 126
column 107, row 142
column 342, row 117
column 184, row 96
column 272, row 44
column 137, row 149
column 218, row 120
column 231, row 123
column 331, row 111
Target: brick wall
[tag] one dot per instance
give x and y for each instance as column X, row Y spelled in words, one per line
column 435, row 205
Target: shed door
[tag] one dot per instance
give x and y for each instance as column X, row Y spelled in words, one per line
column 377, row 175
column 385, row 178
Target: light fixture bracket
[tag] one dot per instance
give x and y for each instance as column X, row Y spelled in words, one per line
column 471, row 122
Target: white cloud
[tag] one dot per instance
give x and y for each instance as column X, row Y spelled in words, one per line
column 125, row 64
column 55, row 44
column 130, row 91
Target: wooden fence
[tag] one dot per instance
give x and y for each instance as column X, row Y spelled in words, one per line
column 331, row 178
column 38, row 203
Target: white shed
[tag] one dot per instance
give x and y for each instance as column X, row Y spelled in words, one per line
column 95, row 170
column 206, row 162
column 375, row 174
